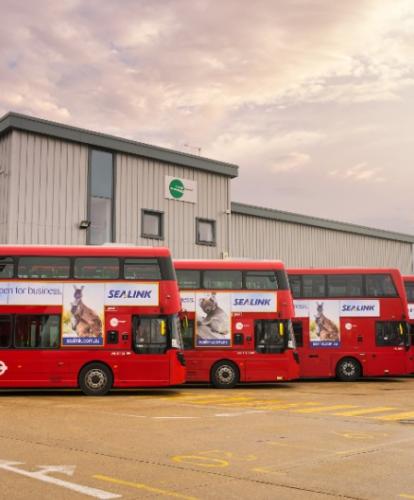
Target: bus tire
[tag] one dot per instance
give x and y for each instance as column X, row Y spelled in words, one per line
column 348, row 370
column 95, row 379
column 225, row 375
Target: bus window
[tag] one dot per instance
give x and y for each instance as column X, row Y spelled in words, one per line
column 409, row 288
column 188, row 279
column 187, row 330
column 150, row 335
column 142, row 269
column 313, row 286
column 5, row 331
column 97, row 268
column 298, row 332
column 380, row 285
column 270, row 336
column 295, row 285
column 6, row 267
column 345, row 285
column 43, row 267
column 222, row 279
column 260, row 280
column 391, row 333
column 33, row 331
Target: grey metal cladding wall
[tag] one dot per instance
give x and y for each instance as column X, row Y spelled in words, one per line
column 301, row 245
column 140, row 185
column 5, row 155
column 48, row 189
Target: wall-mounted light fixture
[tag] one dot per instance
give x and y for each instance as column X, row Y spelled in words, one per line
column 84, row 224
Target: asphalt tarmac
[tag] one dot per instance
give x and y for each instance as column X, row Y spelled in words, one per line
column 307, row 440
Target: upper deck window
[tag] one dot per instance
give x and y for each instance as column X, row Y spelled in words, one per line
column 409, row 288
column 142, row 269
column 6, row 267
column 223, row 279
column 380, row 285
column 260, row 280
column 345, row 285
column 313, row 285
column 189, row 279
column 96, row 268
column 295, row 282
column 43, row 267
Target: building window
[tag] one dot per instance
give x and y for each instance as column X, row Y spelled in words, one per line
column 152, row 224
column 101, row 197
column 205, row 232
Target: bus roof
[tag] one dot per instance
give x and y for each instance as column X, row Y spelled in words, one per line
column 343, row 270
column 83, row 251
column 229, row 264
column 409, row 278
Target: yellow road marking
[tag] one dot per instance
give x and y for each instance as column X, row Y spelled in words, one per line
column 268, row 470
column 361, row 435
column 396, row 416
column 364, row 411
column 323, row 408
column 141, row 486
column 200, row 461
column 219, row 401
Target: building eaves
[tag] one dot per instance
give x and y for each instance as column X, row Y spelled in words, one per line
column 16, row 121
column 278, row 215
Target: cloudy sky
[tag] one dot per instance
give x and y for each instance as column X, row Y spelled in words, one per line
column 313, row 99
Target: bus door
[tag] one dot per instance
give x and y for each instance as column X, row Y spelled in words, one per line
column 270, row 341
column 315, row 360
column 392, row 354
column 148, row 360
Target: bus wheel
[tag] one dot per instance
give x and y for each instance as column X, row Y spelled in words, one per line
column 224, row 375
column 95, row 379
column 348, row 370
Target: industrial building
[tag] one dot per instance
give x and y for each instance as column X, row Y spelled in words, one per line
column 65, row 185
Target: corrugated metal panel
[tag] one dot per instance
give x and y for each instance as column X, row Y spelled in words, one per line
column 48, row 190
column 15, row 121
column 299, row 245
column 307, row 220
column 140, row 185
column 5, row 155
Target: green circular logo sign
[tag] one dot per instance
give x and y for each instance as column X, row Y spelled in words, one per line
column 176, row 188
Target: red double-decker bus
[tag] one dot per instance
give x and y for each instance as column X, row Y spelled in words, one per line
column 409, row 289
column 350, row 323
column 236, row 322
column 89, row 317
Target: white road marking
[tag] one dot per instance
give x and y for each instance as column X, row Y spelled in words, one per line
column 41, row 475
column 172, row 418
column 238, row 414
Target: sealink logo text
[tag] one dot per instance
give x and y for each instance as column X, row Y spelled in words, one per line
column 359, row 308
column 129, row 294
column 254, row 302
column 144, row 294
column 251, row 302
